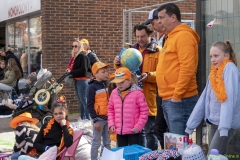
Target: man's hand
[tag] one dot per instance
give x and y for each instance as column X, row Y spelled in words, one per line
column 97, row 126
column 144, row 77
column 175, row 100
column 134, row 130
column 117, row 60
column 112, row 129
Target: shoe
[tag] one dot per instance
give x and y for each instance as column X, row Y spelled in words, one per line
column 87, row 123
column 6, row 116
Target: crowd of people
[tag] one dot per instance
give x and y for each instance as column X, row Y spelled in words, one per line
column 168, row 100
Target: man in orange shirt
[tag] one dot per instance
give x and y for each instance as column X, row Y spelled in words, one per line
column 176, row 69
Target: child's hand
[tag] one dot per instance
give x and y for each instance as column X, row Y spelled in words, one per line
column 97, row 126
column 63, row 122
column 134, row 130
column 112, row 129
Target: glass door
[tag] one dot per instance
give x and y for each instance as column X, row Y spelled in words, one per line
column 35, row 44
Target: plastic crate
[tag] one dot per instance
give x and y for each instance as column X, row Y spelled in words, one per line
column 133, row 152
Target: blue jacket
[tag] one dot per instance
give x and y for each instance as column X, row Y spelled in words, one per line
column 227, row 114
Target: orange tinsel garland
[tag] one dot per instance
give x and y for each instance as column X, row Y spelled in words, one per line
column 49, row 126
column 217, row 83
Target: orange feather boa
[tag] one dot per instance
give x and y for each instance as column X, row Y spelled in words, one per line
column 217, row 83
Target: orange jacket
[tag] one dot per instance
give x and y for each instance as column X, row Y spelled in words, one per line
column 149, row 86
column 177, row 66
column 97, row 99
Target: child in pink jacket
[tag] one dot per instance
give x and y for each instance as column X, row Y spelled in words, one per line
column 127, row 109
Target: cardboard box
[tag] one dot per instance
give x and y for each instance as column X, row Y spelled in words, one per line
column 175, row 142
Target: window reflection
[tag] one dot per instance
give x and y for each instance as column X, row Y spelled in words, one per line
column 21, row 44
column 10, row 32
column 19, row 34
column 35, row 43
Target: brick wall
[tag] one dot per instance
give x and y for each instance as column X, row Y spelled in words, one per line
column 100, row 21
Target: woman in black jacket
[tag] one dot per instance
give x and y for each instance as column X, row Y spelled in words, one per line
column 80, row 68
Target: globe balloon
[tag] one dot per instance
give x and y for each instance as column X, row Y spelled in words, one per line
column 131, row 58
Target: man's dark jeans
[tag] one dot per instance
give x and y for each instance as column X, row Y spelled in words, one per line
column 147, row 137
column 160, row 126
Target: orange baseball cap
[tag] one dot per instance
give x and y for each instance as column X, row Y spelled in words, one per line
column 85, row 41
column 98, row 65
column 122, row 74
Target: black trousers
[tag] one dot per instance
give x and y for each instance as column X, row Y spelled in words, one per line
column 127, row 139
column 160, row 126
column 4, row 110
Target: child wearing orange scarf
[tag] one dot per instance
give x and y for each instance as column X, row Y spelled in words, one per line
column 219, row 104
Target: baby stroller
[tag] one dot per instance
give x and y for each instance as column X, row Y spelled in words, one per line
column 43, row 91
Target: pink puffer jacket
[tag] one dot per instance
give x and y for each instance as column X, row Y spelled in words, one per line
column 129, row 113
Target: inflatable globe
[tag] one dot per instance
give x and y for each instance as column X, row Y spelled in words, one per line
column 131, row 58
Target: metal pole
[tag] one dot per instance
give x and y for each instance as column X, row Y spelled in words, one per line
column 130, row 27
column 201, row 73
column 28, row 52
column 7, row 38
column 124, row 27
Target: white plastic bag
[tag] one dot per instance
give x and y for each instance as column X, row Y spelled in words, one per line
column 193, row 151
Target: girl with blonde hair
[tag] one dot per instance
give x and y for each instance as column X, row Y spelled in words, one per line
column 219, row 104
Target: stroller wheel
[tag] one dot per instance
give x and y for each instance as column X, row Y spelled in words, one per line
column 42, row 97
column 46, row 118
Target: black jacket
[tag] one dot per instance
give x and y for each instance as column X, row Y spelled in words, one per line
column 53, row 137
column 1, row 74
column 9, row 55
column 38, row 59
column 92, row 57
column 81, row 66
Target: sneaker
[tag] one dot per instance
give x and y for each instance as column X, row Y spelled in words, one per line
column 87, row 123
column 6, row 116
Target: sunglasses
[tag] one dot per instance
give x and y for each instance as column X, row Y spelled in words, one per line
column 74, row 46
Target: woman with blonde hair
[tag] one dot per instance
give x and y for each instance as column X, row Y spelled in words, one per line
column 90, row 53
column 80, row 68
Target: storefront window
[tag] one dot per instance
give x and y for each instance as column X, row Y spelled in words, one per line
column 19, row 34
column 21, row 44
column 35, row 43
column 10, row 33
